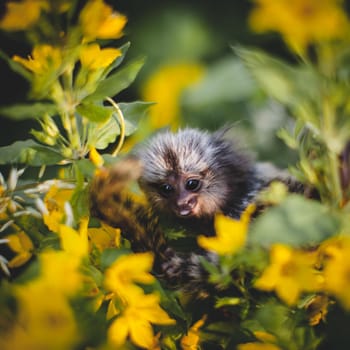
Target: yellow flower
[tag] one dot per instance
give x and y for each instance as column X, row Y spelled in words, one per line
column 21, row 15
column 267, row 342
column 290, row 273
column 60, row 6
column 98, row 21
column 337, row 268
column 265, row 337
column 257, row 346
column 42, row 314
column 112, row 309
column 165, row 87
column 191, row 340
column 300, row 22
column 75, row 242
column 93, row 57
column 55, row 200
column 135, row 321
column 104, row 237
column 95, row 157
column 21, row 244
column 230, row 234
column 128, row 269
column 43, row 309
column 60, row 271
column 44, row 59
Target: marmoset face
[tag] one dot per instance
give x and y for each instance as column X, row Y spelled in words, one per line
column 181, row 176
column 182, row 194
column 185, row 196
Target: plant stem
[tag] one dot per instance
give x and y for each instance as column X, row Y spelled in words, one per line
column 329, row 135
column 121, row 122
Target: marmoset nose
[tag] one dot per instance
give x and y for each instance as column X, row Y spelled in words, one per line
column 188, row 202
column 186, row 205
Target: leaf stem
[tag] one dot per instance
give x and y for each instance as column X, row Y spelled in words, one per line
column 329, row 135
column 121, row 122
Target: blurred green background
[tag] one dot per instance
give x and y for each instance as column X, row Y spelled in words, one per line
column 174, row 35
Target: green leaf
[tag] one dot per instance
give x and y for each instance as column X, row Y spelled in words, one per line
column 289, row 85
column 116, row 82
column 274, row 318
column 110, row 255
column 297, row 222
column 85, row 167
column 226, row 81
column 210, row 267
column 170, row 301
column 291, row 333
column 28, row 111
column 134, row 111
column 124, row 49
column 34, row 228
column 80, row 197
column 94, row 113
column 51, row 241
column 80, row 202
column 31, row 272
column 101, row 135
column 227, row 301
column 287, row 138
column 16, row 67
column 29, row 152
column 96, row 274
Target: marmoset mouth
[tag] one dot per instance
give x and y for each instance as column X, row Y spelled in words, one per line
column 185, row 212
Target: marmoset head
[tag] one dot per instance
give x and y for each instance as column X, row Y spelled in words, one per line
column 190, row 173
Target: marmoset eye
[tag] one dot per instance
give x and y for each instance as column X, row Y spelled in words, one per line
column 193, row 185
column 166, row 189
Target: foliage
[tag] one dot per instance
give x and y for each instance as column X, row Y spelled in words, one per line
column 277, row 280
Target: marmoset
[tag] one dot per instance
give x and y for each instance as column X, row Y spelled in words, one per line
column 188, row 177
column 192, row 175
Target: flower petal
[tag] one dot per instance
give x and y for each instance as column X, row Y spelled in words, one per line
column 118, row 331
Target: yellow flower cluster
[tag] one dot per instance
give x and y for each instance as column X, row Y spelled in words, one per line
column 44, row 302
column 44, row 312
column 44, row 58
column 15, row 18
column 93, row 57
column 55, row 201
column 135, row 311
column 230, row 234
column 301, row 22
column 65, row 70
column 165, row 87
column 191, row 340
column 99, row 21
column 293, row 272
column 335, row 253
column 22, row 245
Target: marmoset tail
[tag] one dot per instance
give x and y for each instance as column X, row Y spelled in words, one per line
column 112, row 203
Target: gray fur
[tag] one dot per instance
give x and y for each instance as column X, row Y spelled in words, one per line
column 226, row 172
